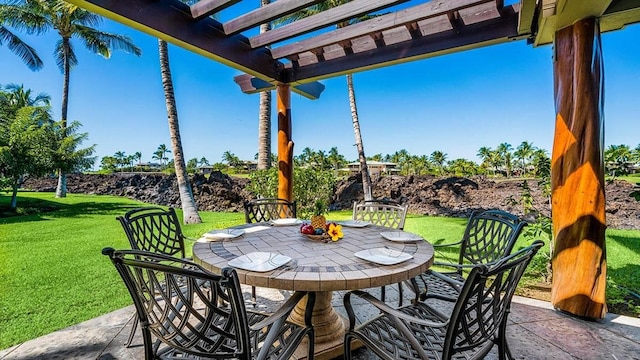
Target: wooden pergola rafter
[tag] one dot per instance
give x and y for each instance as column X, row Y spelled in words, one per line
column 313, row 48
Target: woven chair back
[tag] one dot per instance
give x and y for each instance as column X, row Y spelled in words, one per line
column 154, row 229
column 266, row 209
column 489, row 236
column 381, row 213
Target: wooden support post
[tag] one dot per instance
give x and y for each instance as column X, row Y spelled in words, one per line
column 285, row 145
column 577, row 174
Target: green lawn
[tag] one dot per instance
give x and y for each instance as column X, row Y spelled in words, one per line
column 53, row 274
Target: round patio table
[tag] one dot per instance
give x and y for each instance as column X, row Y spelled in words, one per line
column 319, row 267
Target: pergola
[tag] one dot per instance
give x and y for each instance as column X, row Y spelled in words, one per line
column 293, row 57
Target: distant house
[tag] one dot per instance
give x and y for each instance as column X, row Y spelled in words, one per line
column 149, row 166
column 205, row 169
column 375, row 168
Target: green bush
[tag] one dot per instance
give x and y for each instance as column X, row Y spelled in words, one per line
column 309, row 186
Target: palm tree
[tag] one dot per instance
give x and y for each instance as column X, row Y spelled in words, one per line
column 69, row 21
column 138, row 157
column 28, row 54
column 189, row 208
column 484, row 153
column 335, row 159
column 120, row 157
column 16, row 97
column 161, row 154
column 523, row 152
column 504, row 150
column 316, row 9
column 264, row 117
column 438, row 157
column 204, row 161
column 230, row 158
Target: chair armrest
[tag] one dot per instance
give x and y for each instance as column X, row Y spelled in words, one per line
column 451, row 281
column 383, row 308
column 283, row 312
column 446, row 245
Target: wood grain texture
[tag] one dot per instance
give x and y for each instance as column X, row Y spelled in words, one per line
column 285, row 145
column 577, row 176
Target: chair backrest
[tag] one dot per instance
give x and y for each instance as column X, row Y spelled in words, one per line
column 154, row 229
column 188, row 309
column 382, row 213
column 482, row 307
column 489, row 236
column 266, row 209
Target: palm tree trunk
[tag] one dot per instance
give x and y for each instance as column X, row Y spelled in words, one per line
column 264, row 131
column 61, row 188
column 189, row 209
column 364, row 169
column 264, row 117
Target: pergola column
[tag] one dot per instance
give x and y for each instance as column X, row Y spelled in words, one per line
column 285, row 145
column 577, row 174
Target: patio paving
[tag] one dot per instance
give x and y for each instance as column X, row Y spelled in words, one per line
column 535, row 331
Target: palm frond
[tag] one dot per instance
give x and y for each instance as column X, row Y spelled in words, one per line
column 102, row 43
column 25, row 52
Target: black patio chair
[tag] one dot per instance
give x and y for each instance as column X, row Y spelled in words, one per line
column 381, row 212
column 489, row 236
column 188, row 312
column 156, row 230
column 419, row 331
column 266, row 209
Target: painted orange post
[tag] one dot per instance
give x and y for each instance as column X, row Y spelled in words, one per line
column 577, row 175
column 285, row 145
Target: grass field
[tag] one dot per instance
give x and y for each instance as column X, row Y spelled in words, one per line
column 53, row 274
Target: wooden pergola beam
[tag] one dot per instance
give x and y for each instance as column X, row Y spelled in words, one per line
column 469, row 37
column 332, row 16
column 252, row 85
column 265, row 14
column 204, row 8
column 171, row 21
column 374, row 25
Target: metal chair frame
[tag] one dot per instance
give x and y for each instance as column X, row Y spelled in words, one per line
column 381, row 212
column 419, row 331
column 489, row 236
column 188, row 312
column 266, row 209
column 156, row 230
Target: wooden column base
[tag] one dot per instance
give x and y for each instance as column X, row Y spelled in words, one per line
column 329, row 327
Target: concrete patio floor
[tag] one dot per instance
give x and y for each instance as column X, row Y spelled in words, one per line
column 535, row 331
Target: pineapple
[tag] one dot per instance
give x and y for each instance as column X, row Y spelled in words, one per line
column 318, row 221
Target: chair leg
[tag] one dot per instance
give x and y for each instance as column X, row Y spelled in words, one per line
column 382, row 293
column 133, row 330
column 347, row 347
column 504, row 353
column 254, row 298
column 400, row 294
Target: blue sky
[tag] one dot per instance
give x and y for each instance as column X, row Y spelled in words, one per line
column 455, row 103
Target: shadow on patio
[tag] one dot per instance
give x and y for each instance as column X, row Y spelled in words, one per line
column 536, row 331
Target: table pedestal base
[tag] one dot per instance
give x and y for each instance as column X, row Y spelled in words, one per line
column 329, row 327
